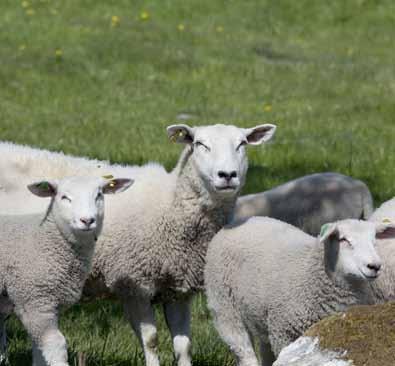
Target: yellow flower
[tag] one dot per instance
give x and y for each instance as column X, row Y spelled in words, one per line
column 30, row 12
column 144, row 15
column 219, row 29
column 25, row 4
column 115, row 20
column 181, row 27
column 267, row 108
column 22, row 47
column 58, row 53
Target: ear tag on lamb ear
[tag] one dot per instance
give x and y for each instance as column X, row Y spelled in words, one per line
column 386, row 221
column 177, row 135
column 112, row 184
column 108, row 176
column 324, row 230
column 44, row 186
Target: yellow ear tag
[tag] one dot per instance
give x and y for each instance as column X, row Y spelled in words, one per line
column 177, row 135
column 108, row 176
column 386, row 221
column 112, row 184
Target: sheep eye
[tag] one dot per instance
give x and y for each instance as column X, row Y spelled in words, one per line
column 348, row 242
column 199, row 143
column 65, row 198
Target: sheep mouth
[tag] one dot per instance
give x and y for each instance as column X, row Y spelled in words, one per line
column 370, row 276
column 226, row 188
column 88, row 229
column 85, row 229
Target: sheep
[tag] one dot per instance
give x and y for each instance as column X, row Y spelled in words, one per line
column 310, row 201
column 384, row 287
column 153, row 250
column 19, row 165
column 44, row 262
column 268, row 279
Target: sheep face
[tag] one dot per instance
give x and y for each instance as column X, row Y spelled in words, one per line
column 219, row 154
column 78, row 202
column 350, row 252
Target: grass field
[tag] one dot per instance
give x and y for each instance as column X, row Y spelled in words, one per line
column 103, row 79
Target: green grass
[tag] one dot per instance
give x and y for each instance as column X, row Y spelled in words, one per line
column 323, row 71
column 101, row 334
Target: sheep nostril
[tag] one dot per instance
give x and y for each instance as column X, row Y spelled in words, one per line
column 88, row 221
column 227, row 175
column 222, row 174
column 374, row 266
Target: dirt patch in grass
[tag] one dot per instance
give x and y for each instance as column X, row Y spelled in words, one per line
column 366, row 332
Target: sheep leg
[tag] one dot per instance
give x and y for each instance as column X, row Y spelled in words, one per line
column 233, row 331
column 178, row 318
column 3, row 339
column 140, row 314
column 38, row 357
column 49, row 345
column 267, row 355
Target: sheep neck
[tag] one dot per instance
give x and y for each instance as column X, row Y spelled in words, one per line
column 201, row 211
column 65, row 245
column 193, row 218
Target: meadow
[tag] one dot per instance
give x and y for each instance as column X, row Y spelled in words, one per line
column 104, row 78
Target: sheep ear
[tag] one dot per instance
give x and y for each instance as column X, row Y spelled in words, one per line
column 182, row 134
column 117, row 185
column 327, row 231
column 259, row 134
column 385, row 230
column 44, row 188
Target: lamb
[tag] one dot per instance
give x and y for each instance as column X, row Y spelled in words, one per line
column 310, row 201
column 44, row 262
column 384, row 287
column 268, row 279
column 153, row 250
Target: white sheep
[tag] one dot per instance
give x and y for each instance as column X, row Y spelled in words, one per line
column 310, row 201
column 268, row 279
column 44, row 261
column 20, row 165
column 155, row 238
column 384, row 287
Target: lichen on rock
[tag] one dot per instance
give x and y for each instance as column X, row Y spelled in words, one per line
column 367, row 333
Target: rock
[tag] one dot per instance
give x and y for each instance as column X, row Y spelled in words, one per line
column 305, row 351
column 367, row 333
column 362, row 336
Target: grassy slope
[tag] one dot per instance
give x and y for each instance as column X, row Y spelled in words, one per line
column 322, row 72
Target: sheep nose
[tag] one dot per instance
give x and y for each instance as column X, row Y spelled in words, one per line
column 227, row 175
column 88, row 221
column 374, row 266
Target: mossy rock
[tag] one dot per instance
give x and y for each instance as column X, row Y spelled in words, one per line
column 366, row 332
